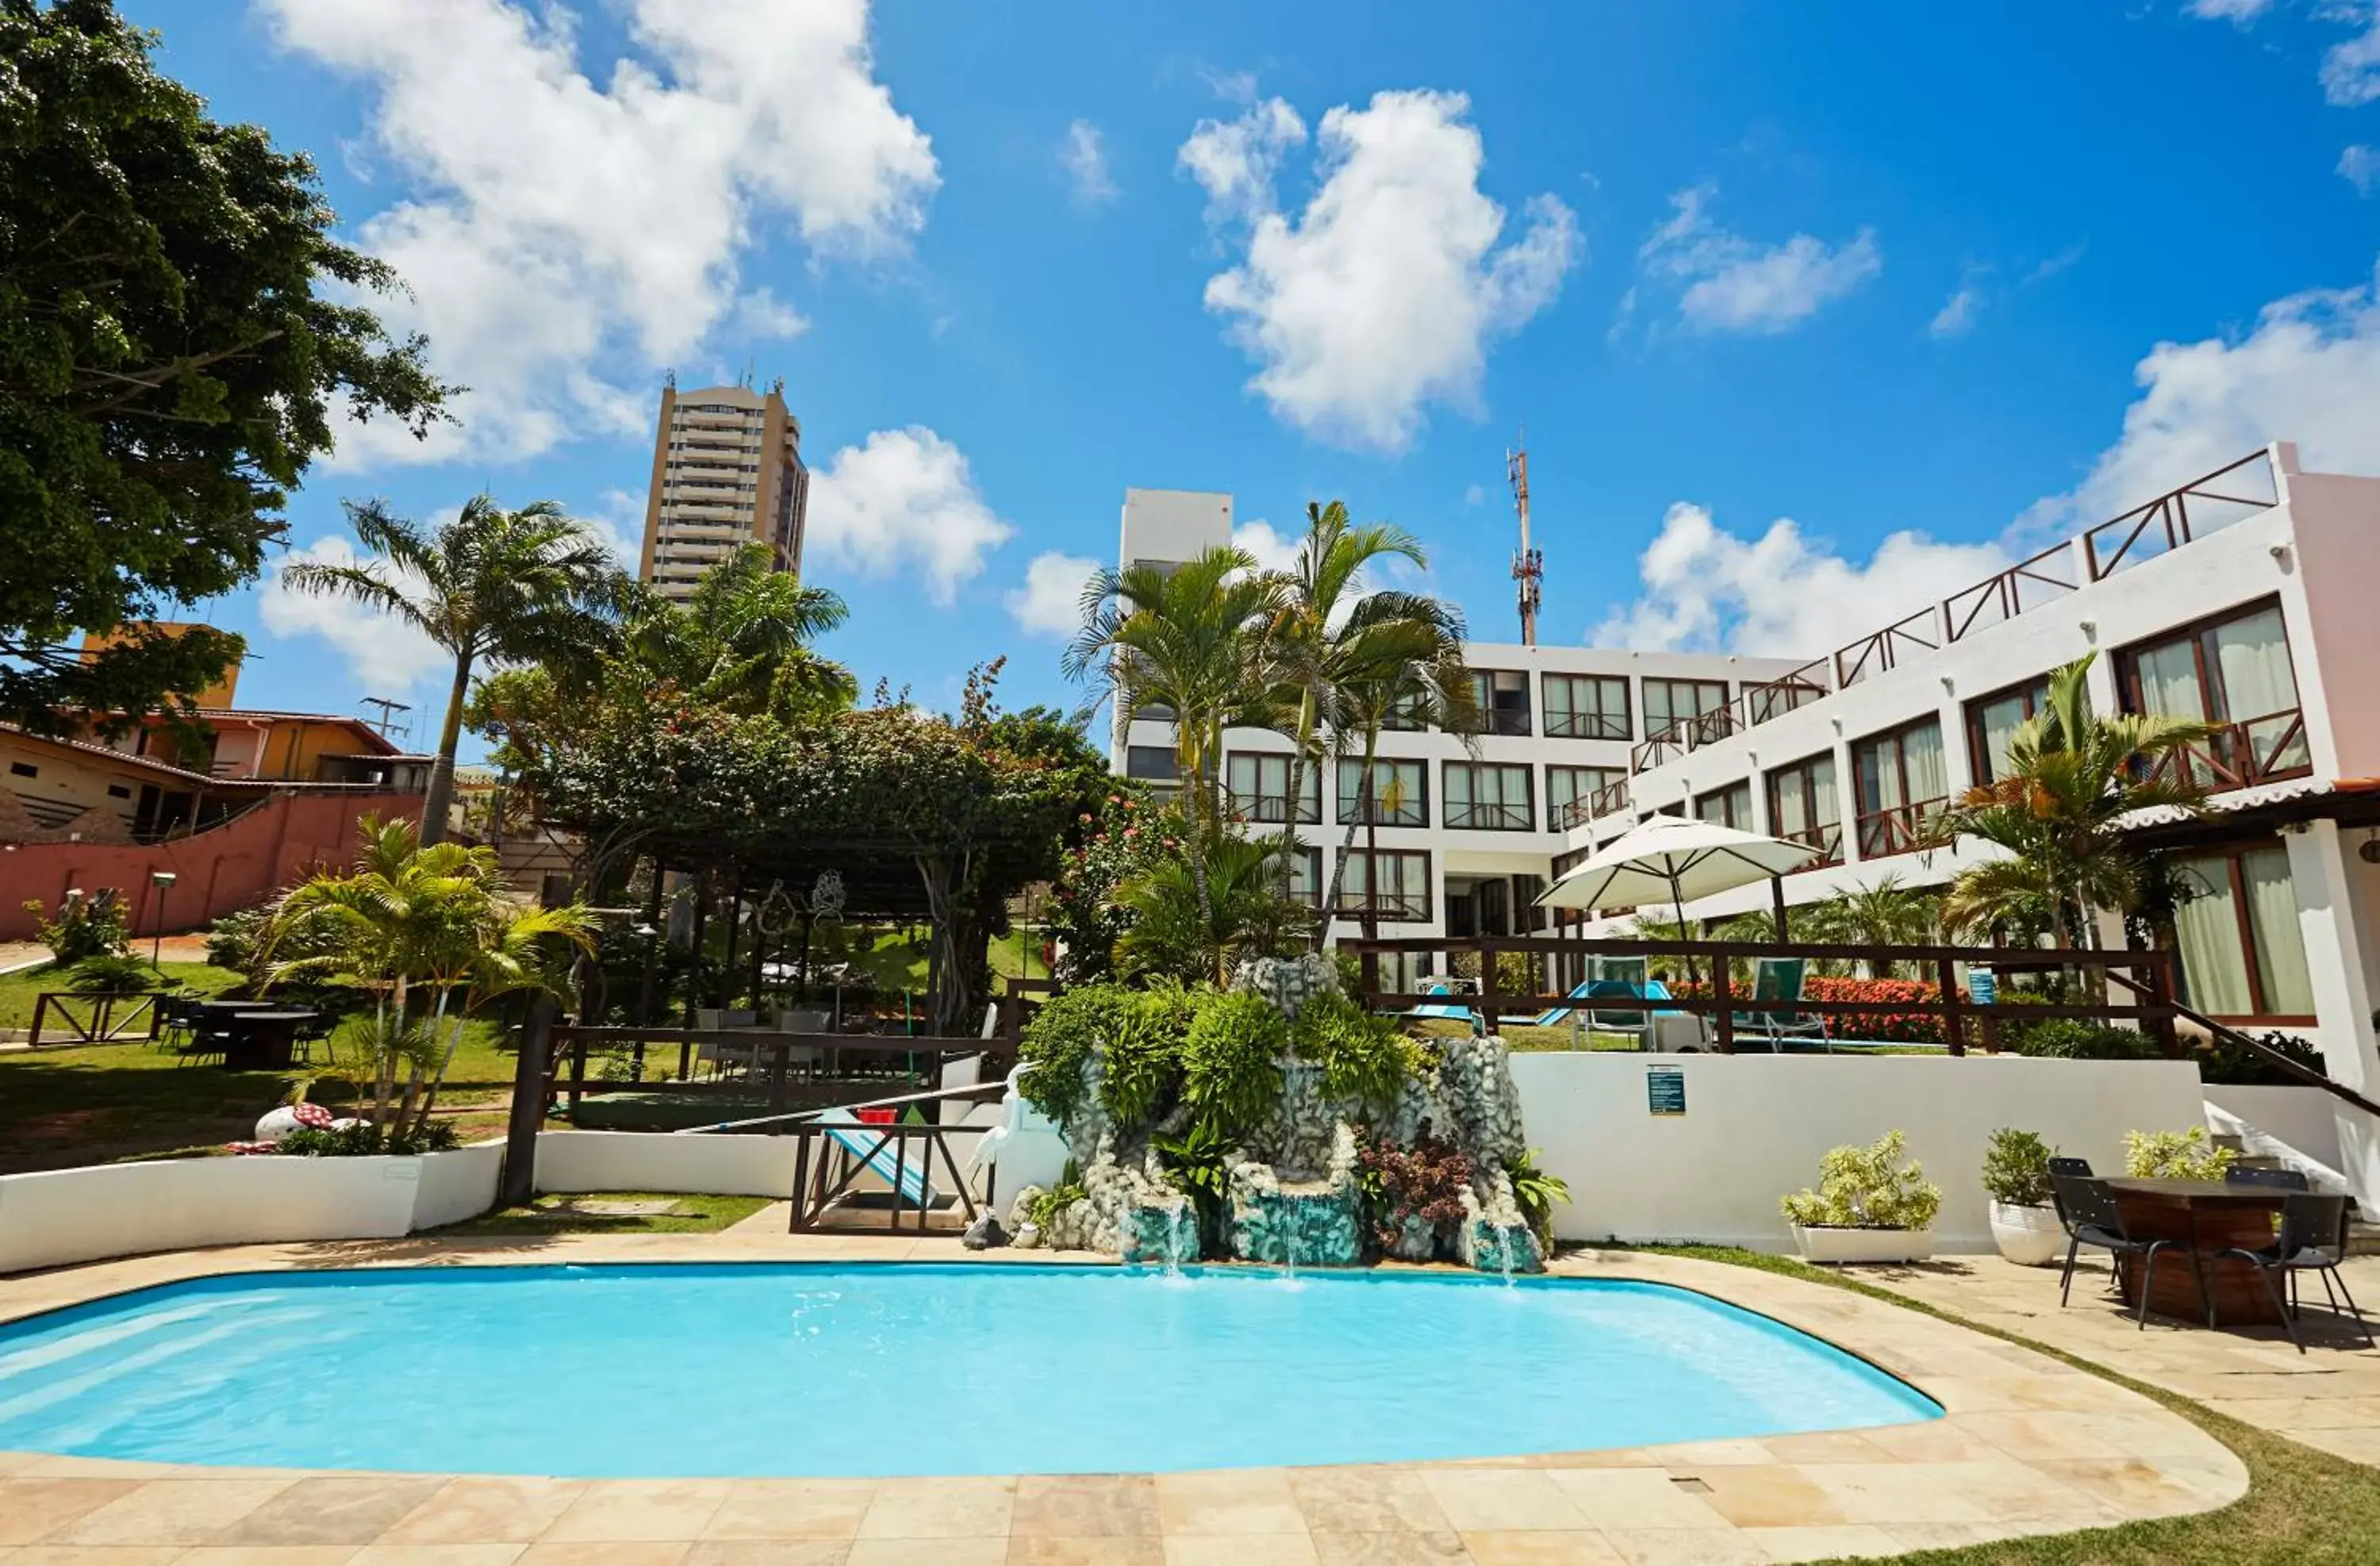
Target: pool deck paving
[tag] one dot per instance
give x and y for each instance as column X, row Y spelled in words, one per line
column 2027, row 1446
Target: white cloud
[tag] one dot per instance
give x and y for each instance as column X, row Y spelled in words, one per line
column 2351, row 71
column 1781, row 594
column 1380, row 297
column 2053, row 265
column 567, row 229
column 2309, row 372
column 1957, row 316
column 388, row 656
column 618, row 524
column 1272, row 551
column 904, row 502
column 1474, row 494
column 1050, row 602
column 2228, row 10
column 1233, row 161
column 1736, row 285
column 1084, row 159
column 761, row 314
column 2360, row 166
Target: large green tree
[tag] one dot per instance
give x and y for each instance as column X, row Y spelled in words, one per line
column 177, row 327
column 491, row 586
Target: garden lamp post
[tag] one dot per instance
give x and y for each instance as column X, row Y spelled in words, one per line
column 163, row 880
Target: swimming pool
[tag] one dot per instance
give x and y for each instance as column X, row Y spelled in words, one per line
column 877, row 1369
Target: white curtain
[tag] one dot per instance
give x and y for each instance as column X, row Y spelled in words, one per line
column 1921, row 750
column 2214, row 968
column 2169, row 681
column 1998, row 722
column 2281, row 948
column 2252, row 657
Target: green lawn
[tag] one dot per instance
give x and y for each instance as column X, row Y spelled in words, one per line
column 17, row 990
column 555, row 1215
column 2303, row 1507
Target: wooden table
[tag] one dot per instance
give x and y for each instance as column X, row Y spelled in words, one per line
column 2207, row 1216
column 262, row 1041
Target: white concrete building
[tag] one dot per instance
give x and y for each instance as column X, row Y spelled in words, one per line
column 1465, row 841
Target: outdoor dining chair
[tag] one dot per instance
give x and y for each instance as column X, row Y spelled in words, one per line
column 2095, row 1219
column 1775, row 979
column 2081, row 1169
column 2271, row 1178
column 2312, row 1239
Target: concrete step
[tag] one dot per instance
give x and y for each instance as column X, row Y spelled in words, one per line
column 2362, row 1238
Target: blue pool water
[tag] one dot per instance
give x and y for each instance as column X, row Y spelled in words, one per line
column 769, row 1369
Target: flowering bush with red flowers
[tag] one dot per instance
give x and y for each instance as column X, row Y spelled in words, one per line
column 1918, row 1025
column 1127, row 836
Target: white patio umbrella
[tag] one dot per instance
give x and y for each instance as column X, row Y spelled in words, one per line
column 1683, row 859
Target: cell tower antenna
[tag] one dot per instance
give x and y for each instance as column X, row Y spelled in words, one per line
column 387, row 721
column 1528, row 562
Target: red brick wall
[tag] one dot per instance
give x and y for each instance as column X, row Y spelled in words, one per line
column 216, row 872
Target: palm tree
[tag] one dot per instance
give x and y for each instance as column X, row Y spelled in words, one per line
column 1882, row 913
column 494, row 585
column 2073, row 776
column 1173, row 928
column 1315, row 647
column 1193, row 640
column 1402, row 662
column 742, row 641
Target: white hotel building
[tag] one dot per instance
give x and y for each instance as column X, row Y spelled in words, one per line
column 2250, row 597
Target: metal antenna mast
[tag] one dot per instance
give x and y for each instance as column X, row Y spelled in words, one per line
column 1528, row 564
column 388, row 710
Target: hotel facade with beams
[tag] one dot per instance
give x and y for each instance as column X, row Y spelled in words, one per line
column 2242, row 598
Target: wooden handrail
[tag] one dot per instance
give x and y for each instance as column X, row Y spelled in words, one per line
column 2271, row 1056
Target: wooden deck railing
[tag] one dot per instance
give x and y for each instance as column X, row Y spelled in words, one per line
column 101, row 1024
column 2149, row 975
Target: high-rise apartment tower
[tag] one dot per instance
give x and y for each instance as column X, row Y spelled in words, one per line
column 727, row 470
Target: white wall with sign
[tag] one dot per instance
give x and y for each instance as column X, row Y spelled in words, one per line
column 1754, row 1126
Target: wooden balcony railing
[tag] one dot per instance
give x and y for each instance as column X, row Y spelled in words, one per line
column 2241, row 755
column 1900, row 828
column 1827, row 841
column 2200, row 507
column 1490, row 816
column 1270, row 809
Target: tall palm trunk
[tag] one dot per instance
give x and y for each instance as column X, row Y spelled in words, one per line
column 1303, row 742
column 442, row 771
column 1347, row 842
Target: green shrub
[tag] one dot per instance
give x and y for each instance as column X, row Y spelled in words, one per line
column 1058, row 1043
column 112, row 972
column 2071, row 1038
column 84, row 927
column 1141, row 1065
column 1231, row 1070
column 2174, row 1155
column 1363, row 1057
column 1536, row 1194
column 2016, row 1168
column 1867, row 1188
column 362, row 1140
column 1199, row 1162
column 2222, row 1060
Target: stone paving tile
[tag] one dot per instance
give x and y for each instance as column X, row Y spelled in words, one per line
column 1889, row 1493
column 269, row 1555
column 1685, row 1546
column 93, row 1555
column 485, row 1511
column 1104, row 1549
column 1240, row 1500
column 597, row 1552
column 1431, row 1548
column 1085, row 1506
column 768, row 1552
column 309, row 1511
column 638, row 1510
column 1541, row 1547
column 1778, row 1496
column 33, row 1509
column 1505, row 1498
column 436, row 1554
column 185, row 1511
column 1366, row 1500
column 792, row 1509
column 940, row 1509
column 1823, row 1544
column 1639, row 1498
column 1241, row 1550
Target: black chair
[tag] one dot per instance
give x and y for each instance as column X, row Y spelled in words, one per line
column 2312, row 1239
column 2081, row 1168
column 2093, row 1218
column 2272, row 1179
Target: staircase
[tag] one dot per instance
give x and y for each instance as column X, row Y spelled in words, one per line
column 2252, row 1149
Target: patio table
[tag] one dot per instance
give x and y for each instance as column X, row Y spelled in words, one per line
column 2206, row 1216
column 262, row 1041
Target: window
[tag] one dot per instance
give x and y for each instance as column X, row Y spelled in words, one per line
column 1670, row 701
column 1402, row 877
column 1899, row 775
column 1729, row 806
column 1400, row 792
column 1569, row 792
column 2234, row 672
column 1487, row 796
column 1152, row 712
column 117, row 791
column 1992, row 722
column 1586, row 707
column 1258, row 789
column 2243, row 958
column 1305, row 877
column 1502, row 698
column 1151, row 763
column 1802, row 806
column 23, row 769
column 1404, row 717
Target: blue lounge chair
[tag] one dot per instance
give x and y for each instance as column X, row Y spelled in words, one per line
column 1774, row 980
column 1442, row 1013
column 872, row 1148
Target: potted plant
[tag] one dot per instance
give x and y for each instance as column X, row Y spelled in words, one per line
column 2024, row 1223
column 1869, row 1205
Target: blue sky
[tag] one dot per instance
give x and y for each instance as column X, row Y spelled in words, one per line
column 1809, row 311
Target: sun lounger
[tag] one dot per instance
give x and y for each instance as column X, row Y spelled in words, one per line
column 874, row 1150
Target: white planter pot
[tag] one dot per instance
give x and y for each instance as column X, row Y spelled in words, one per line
column 2028, row 1236
column 1864, row 1244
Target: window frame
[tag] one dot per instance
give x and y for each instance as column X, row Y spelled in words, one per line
column 1470, row 769
column 1567, row 727
column 1171, row 778
column 1677, row 724
column 1919, row 840
column 1492, row 719
column 2035, row 692
column 2243, row 921
column 1742, row 787
column 2234, row 726
column 1348, row 812
column 1557, row 815
column 1351, row 906
column 1261, row 796
column 1831, row 852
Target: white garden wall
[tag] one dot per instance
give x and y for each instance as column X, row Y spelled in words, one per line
column 1755, row 1127
column 646, row 1161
